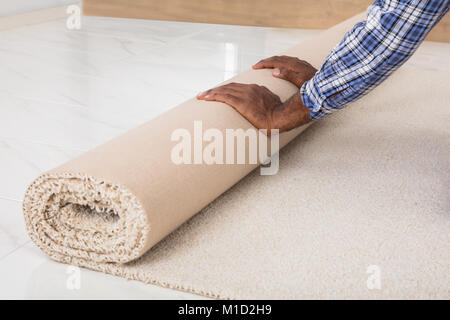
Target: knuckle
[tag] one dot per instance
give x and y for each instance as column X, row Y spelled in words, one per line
column 286, row 72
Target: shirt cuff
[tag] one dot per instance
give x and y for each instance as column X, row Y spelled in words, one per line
column 314, row 100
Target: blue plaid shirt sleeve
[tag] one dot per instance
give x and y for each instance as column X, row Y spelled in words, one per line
column 370, row 52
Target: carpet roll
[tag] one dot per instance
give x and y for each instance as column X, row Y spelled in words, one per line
column 113, row 203
column 80, row 216
column 361, row 199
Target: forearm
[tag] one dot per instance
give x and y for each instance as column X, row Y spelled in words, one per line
column 370, row 52
column 291, row 114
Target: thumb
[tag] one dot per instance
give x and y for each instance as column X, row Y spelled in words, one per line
column 286, row 74
column 282, row 73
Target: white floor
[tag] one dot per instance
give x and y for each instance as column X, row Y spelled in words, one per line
column 63, row 92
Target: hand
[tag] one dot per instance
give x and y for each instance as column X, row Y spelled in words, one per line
column 255, row 103
column 291, row 69
column 262, row 108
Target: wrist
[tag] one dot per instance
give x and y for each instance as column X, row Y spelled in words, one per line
column 290, row 114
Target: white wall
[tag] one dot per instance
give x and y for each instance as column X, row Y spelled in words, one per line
column 8, row 7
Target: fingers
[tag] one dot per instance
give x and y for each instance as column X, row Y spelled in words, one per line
column 283, row 74
column 288, row 75
column 277, row 62
column 229, row 94
column 229, row 88
column 239, row 96
column 223, row 96
column 271, row 62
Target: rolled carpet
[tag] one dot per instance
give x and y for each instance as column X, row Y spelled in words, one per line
column 109, row 209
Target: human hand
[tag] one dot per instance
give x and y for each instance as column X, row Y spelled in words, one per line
column 287, row 68
column 261, row 107
column 255, row 103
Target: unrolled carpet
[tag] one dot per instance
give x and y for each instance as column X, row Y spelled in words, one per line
column 361, row 194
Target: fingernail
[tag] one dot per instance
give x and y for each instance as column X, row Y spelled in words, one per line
column 207, row 96
column 276, row 72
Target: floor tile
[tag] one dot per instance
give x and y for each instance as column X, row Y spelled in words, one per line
column 21, row 162
column 27, row 273
column 12, row 227
column 70, row 126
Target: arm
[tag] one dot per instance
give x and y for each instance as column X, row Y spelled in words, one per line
column 367, row 55
column 370, row 52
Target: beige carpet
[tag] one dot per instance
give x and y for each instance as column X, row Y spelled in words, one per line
column 365, row 189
